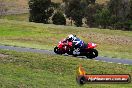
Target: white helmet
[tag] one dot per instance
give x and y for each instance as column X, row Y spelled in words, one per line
column 71, row 37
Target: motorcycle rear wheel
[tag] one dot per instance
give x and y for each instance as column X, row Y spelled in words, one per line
column 56, row 50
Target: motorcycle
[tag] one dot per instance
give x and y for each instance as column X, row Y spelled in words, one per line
column 87, row 50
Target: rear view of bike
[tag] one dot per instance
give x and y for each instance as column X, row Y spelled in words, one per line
column 63, row 48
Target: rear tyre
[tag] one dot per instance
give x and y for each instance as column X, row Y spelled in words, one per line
column 92, row 54
column 56, row 50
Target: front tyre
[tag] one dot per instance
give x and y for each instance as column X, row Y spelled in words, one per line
column 92, row 54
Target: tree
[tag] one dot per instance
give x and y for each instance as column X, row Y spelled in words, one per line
column 90, row 1
column 119, row 8
column 121, row 13
column 103, row 17
column 114, row 7
column 75, row 12
column 90, row 12
column 40, row 10
column 130, row 12
column 59, row 19
column 3, row 8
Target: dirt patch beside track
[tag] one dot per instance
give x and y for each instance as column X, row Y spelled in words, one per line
column 3, row 56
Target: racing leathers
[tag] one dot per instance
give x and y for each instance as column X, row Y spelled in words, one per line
column 77, row 43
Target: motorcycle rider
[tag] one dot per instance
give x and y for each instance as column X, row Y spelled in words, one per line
column 77, row 43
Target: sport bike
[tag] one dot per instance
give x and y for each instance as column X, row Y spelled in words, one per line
column 87, row 50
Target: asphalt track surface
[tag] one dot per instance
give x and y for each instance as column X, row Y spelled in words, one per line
column 104, row 59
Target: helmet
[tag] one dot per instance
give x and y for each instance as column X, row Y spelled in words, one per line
column 70, row 37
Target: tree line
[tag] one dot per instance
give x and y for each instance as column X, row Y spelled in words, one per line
column 115, row 14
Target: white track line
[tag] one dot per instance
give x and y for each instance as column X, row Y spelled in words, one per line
column 110, row 62
column 96, row 60
column 119, row 63
column 103, row 61
column 88, row 59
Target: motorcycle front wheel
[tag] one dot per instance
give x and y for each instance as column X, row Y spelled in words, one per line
column 92, row 54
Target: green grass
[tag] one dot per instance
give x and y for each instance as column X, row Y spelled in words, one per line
column 18, row 17
column 30, row 70
column 111, row 43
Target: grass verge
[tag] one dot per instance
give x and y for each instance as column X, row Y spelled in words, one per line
column 52, row 71
column 17, row 17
